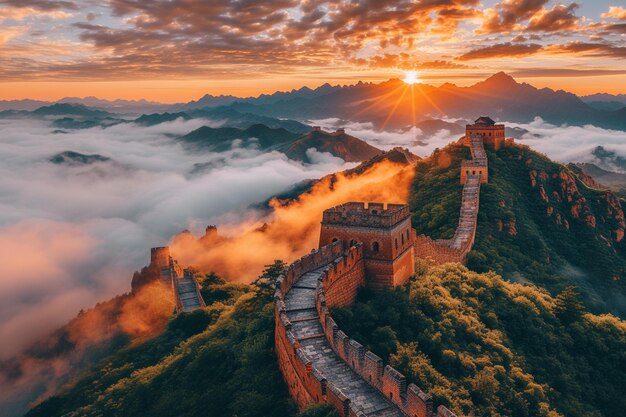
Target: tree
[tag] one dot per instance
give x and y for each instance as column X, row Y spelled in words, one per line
column 267, row 280
column 568, row 305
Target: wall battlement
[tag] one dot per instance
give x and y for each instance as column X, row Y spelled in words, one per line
column 353, row 380
column 366, row 214
column 185, row 288
column 384, row 230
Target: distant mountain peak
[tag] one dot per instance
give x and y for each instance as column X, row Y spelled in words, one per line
column 337, row 143
column 72, row 158
column 501, row 79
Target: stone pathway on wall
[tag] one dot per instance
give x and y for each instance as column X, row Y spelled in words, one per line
column 186, row 291
column 469, row 212
column 464, row 234
column 306, row 327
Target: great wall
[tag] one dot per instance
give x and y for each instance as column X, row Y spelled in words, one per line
column 361, row 245
column 184, row 286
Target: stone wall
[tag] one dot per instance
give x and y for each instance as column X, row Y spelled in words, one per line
column 306, row 385
column 436, row 253
column 411, row 400
column 344, row 276
column 473, row 174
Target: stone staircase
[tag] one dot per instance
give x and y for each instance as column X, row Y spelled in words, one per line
column 306, row 328
column 188, row 296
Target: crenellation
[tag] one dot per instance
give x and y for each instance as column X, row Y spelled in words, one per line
column 394, row 385
column 366, row 214
column 337, row 398
column 340, row 344
column 373, row 369
column 355, row 352
column 418, row 403
column 443, row 411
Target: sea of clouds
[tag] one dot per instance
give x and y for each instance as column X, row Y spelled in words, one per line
column 561, row 143
column 71, row 236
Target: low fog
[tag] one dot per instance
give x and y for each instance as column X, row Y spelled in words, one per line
column 71, row 236
column 561, row 143
column 576, row 143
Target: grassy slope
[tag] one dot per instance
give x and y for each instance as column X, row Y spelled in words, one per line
column 218, row 361
column 478, row 343
column 531, row 247
column 488, row 347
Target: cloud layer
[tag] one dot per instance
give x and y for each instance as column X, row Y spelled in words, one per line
column 574, row 143
column 72, row 235
column 128, row 39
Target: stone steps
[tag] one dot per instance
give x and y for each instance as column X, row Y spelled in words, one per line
column 300, row 308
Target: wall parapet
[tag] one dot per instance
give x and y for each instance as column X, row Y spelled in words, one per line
column 473, row 173
column 410, row 399
column 305, row 382
column 370, row 215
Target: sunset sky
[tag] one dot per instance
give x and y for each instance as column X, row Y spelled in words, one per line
column 178, row 50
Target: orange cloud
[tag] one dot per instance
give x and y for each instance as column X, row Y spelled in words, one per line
column 507, row 16
column 559, row 18
column 293, row 228
column 589, row 49
column 500, row 50
column 616, row 12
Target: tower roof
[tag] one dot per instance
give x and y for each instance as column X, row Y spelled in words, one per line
column 484, row 120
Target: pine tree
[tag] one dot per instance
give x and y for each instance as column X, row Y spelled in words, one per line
column 267, row 280
column 569, row 307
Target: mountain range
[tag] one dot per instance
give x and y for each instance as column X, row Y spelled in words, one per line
column 392, row 104
column 294, row 145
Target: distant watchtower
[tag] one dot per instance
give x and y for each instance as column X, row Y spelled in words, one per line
column 492, row 133
column 160, row 257
column 385, row 231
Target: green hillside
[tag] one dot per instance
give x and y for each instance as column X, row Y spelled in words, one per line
column 538, row 222
column 217, row 361
column 516, row 342
column 487, row 347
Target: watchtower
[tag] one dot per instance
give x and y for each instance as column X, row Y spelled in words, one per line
column 492, row 133
column 160, row 257
column 385, row 231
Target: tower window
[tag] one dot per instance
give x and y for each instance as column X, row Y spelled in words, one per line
column 375, row 247
column 402, row 239
column 396, row 243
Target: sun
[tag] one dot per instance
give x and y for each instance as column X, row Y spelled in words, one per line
column 411, row 77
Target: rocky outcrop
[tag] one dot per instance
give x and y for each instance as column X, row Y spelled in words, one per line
column 565, row 201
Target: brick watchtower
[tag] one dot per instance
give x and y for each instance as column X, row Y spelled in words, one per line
column 492, row 133
column 385, row 231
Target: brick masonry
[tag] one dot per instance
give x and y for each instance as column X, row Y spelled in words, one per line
column 366, row 245
column 319, row 362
